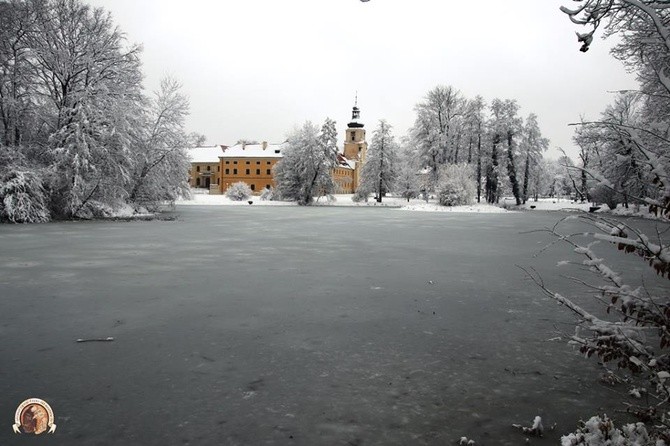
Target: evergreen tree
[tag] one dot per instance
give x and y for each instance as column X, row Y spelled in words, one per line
column 308, row 162
column 381, row 166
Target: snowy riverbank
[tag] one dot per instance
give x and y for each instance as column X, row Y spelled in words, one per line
column 345, row 200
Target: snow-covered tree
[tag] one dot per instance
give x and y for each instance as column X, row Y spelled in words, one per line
column 532, row 147
column 643, row 28
column 17, row 78
column 505, row 125
column 475, row 120
column 239, row 191
column 326, row 160
column 456, row 186
column 306, row 168
column 408, row 184
column 92, row 80
column 631, row 331
column 436, row 127
column 22, row 197
column 381, row 166
column 497, row 128
column 73, row 111
column 160, row 163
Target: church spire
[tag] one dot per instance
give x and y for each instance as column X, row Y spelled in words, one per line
column 355, row 115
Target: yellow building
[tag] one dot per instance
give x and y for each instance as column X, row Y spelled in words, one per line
column 217, row 167
column 347, row 175
column 205, row 171
column 251, row 163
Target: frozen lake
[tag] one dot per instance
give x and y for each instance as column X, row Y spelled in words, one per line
column 284, row 325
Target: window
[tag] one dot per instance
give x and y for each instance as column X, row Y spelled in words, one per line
column 218, row 168
column 197, row 181
column 277, row 151
column 253, row 187
column 269, row 171
column 197, row 168
column 258, row 171
column 258, row 163
column 268, row 163
column 353, row 136
column 234, row 162
column 218, row 181
column 208, row 168
column 227, row 171
column 248, row 163
column 247, row 171
column 234, row 171
column 227, row 162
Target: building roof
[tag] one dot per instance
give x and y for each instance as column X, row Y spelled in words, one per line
column 344, row 162
column 209, row 154
column 254, row 151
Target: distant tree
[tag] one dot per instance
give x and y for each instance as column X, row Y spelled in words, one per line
column 267, row 194
column 532, row 147
column 542, row 178
column 407, row 184
column 474, row 124
column 435, row 127
column 497, row 126
column 456, row 186
column 588, row 139
column 239, row 191
column 380, row 169
column 160, row 159
column 326, row 160
column 306, row 168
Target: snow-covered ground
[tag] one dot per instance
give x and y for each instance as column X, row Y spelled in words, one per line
column 563, row 204
column 345, row 200
column 549, row 204
column 202, row 198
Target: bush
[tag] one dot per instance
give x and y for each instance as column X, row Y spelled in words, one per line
column 239, row 191
column 602, row 432
column 22, row 197
column 456, row 185
column 267, row 194
column 603, row 194
column 360, row 195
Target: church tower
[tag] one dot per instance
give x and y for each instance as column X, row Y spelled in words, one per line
column 355, row 147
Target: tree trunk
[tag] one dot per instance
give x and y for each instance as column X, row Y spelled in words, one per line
column 526, row 174
column 458, row 143
column 470, row 149
column 381, row 169
column 511, row 169
column 492, row 172
column 585, row 186
column 479, row 168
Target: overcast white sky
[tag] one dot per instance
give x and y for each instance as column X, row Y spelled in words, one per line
column 254, row 69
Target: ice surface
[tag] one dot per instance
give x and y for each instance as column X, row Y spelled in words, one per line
column 245, row 325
